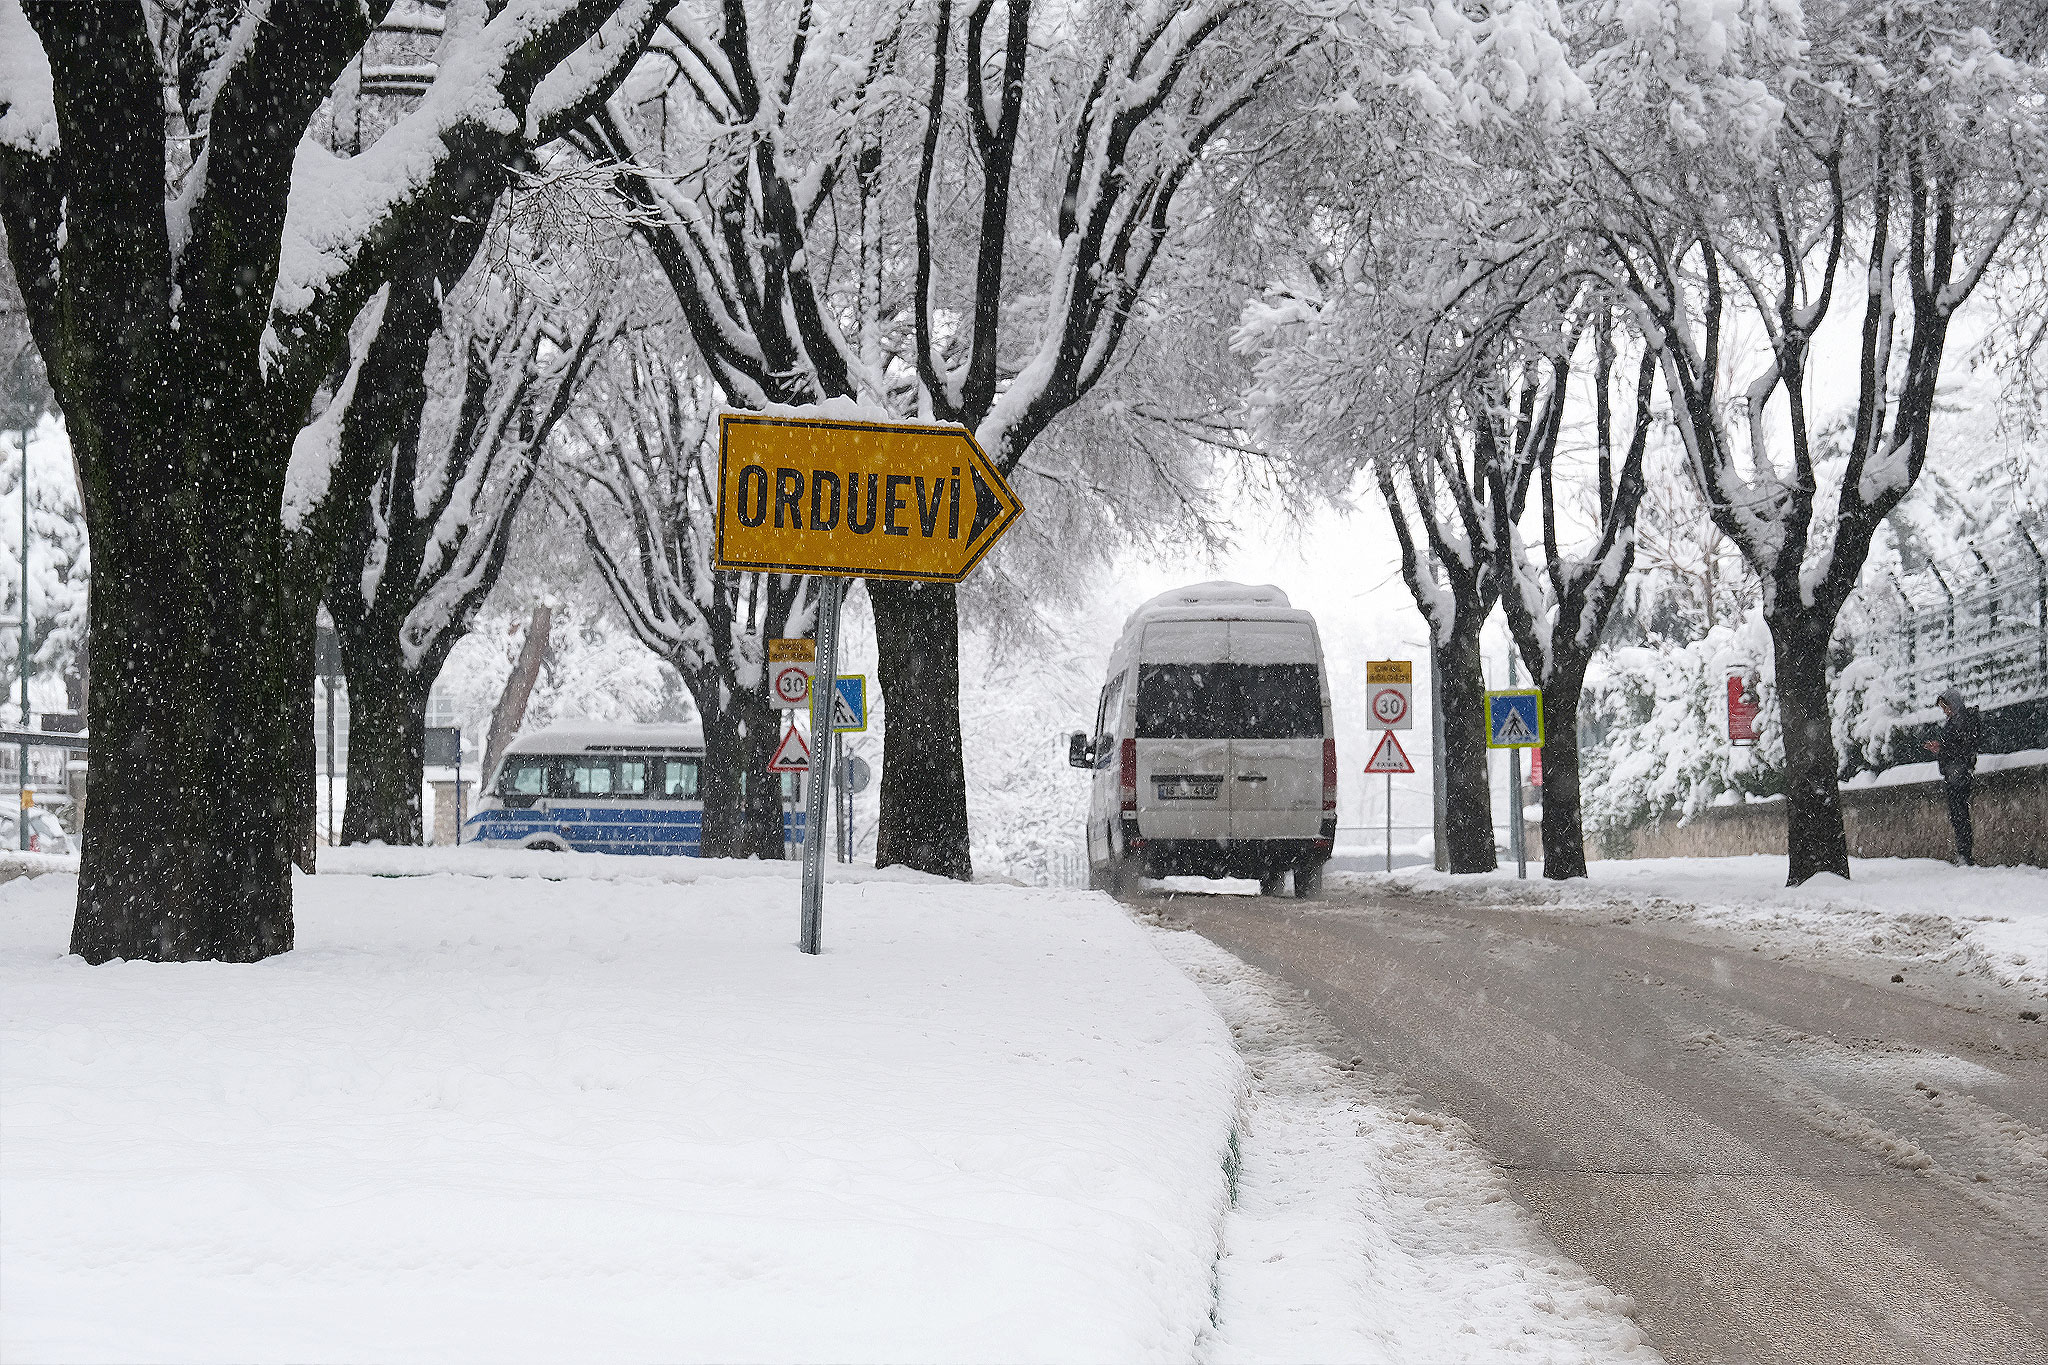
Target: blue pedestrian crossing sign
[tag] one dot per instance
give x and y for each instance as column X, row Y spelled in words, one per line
column 1514, row 719
column 849, row 703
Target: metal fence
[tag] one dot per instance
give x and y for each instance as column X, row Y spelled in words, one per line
column 1978, row 621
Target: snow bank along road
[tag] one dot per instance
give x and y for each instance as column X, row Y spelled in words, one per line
column 502, row 1118
column 1776, row 1162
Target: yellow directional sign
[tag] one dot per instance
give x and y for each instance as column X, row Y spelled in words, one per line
column 862, row 499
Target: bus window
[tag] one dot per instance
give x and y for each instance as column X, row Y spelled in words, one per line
column 589, row 776
column 793, row 787
column 679, row 779
column 629, row 777
column 525, row 775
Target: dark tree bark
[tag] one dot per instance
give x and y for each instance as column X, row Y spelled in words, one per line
column 1468, row 799
column 1815, row 840
column 924, row 781
column 1564, row 831
column 742, row 799
column 1455, row 582
column 641, row 493
column 1927, row 170
column 387, row 722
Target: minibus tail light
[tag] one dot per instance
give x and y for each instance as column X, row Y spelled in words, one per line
column 1329, row 774
column 1127, row 777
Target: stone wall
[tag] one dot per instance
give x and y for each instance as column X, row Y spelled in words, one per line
column 2008, row 807
column 444, row 831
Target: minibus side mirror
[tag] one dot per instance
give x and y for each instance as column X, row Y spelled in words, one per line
column 1079, row 752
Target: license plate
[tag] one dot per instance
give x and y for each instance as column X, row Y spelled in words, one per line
column 1188, row 788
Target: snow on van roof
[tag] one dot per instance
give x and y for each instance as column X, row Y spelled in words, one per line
column 578, row 737
column 1198, row 598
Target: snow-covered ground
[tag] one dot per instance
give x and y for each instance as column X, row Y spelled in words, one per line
column 502, row 1106
column 507, row 1118
column 1365, row 1229
column 1988, row 922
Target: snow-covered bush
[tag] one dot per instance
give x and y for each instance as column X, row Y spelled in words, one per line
column 1026, row 808
column 1656, row 735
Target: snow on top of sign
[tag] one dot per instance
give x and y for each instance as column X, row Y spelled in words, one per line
column 838, row 410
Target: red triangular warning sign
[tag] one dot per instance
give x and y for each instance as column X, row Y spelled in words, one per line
column 792, row 755
column 1389, row 757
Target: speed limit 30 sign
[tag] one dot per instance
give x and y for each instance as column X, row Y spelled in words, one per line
column 1389, row 687
column 791, row 665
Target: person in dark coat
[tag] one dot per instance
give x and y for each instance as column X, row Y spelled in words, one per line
column 1955, row 753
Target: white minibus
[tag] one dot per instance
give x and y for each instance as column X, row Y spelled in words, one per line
column 1213, row 753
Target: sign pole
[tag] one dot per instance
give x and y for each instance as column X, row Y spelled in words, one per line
column 1440, row 855
column 1390, row 822
column 817, row 817
column 1515, row 837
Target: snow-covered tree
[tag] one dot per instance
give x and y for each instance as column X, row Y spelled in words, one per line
column 640, row 484
column 424, row 546
column 192, row 264
column 1738, row 180
column 1558, row 603
column 1039, row 160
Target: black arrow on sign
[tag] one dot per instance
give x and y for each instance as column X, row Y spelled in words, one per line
column 987, row 506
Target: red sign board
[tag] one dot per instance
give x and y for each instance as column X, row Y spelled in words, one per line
column 1535, row 767
column 1743, row 705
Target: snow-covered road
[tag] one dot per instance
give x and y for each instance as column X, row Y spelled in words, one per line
column 1777, row 1163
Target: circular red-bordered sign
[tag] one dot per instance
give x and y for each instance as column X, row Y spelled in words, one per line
column 1389, row 705
column 792, row 684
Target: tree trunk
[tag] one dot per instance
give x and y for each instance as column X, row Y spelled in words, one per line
column 1815, row 841
column 1468, row 794
column 510, row 712
column 195, row 815
column 924, row 782
column 1564, row 835
column 387, row 723
column 742, row 799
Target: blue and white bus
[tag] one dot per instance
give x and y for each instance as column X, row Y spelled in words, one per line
column 605, row 789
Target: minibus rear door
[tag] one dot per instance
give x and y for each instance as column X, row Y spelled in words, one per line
column 1276, row 753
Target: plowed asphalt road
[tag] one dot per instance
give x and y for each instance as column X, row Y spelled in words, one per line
column 1778, row 1163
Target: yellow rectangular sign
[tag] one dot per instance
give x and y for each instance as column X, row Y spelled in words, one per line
column 859, row 499
column 792, row 651
column 1389, row 671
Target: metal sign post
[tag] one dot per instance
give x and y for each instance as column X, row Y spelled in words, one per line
column 816, row 808
column 1390, row 685
column 1515, row 833
column 1514, row 721
column 836, row 499
column 1389, row 758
